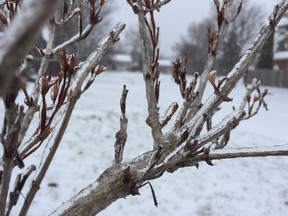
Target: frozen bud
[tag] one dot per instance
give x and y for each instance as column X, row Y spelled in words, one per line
column 3, row 18
column 72, row 64
column 248, row 97
column 212, row 77
column 256, row 98
column 63, row 61
column 101, row 2
column 45, row 85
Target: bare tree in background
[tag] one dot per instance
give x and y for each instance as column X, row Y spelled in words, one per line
column 265, row 59
column 134, row 46
column 235, row 39
column 194, row 45
column 186, row 144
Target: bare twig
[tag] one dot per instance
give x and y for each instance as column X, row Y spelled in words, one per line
column 19, row 184
column 189, row 98
column 153, row 117
column 157, row 6
column 277, row 150
column 83, row 33
column 169, row 114
column 250, row 88
column 9, row 140
column 121, row 135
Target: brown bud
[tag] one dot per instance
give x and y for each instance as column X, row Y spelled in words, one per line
column 55, row 91
column 45, row 133
column 212, row 78
column 100, row 70
column 73, row 64
column 256, row 98
column 63, row 61
column 3, row 18
column 45, row 86
column 65, row 9
column 248, row 97
column 101, row 2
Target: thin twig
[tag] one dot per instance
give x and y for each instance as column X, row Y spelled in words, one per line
column 121, row 135
column 153, row 115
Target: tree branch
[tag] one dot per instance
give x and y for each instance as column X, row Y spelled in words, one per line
column 82, row 73
column 83, row 33
column 153, row 115
column 121, row 135
column 277, row 150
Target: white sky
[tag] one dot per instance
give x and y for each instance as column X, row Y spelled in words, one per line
column 176, row 16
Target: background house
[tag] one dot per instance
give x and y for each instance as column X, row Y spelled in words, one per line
column 165, row 66
column 281, row 60
column 121, row 62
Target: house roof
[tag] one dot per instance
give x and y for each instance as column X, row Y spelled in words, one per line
column 281, row 55
column 122, row 58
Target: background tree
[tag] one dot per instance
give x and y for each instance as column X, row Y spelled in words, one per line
column 134, row 47
column 230, row 51
column 265, row 59
column 237, row 35
column 195, row 46
column 185, row 144
column 282, row 36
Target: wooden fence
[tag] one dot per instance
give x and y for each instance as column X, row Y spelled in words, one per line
column 270, row 77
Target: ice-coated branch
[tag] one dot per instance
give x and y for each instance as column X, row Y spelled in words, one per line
column 77, row 37
column 121, row 135
column 75, row 92
column 226, row 125
column 119, row 181
column 20, row 36
column 83, row 33
column 157, row 6
column 19, row 184
column 189, row 97
column 153, row 114
column 250, row 88
column 12, row 121
column 263, row 151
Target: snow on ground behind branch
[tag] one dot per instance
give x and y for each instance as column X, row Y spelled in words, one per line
column 231, row 187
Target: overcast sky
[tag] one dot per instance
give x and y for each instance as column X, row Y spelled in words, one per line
column 176, row 16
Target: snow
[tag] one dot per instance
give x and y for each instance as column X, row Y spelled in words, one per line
column 283, row 22
column 237, row 187
column 45, row 33
column 281, row 55
column 165, row 62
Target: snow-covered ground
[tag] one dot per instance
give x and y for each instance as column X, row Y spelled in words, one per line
column 232, row 187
